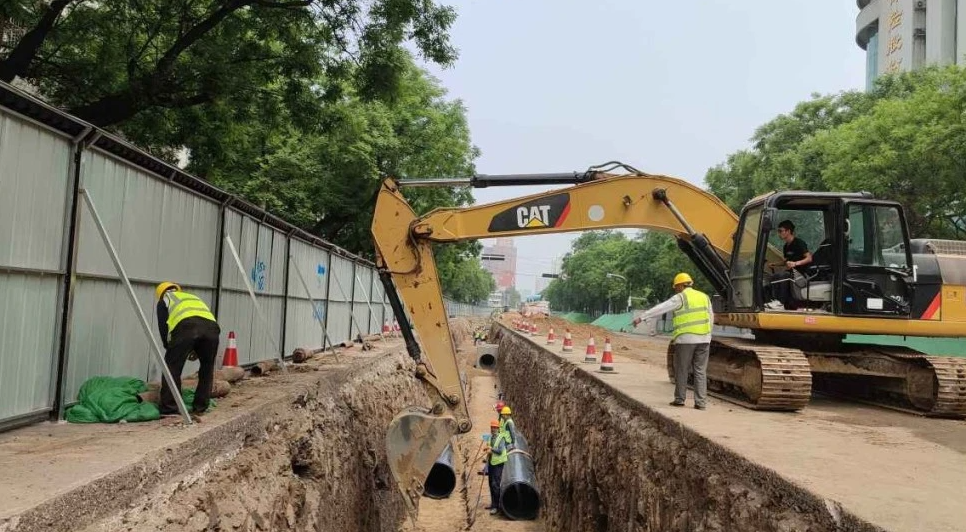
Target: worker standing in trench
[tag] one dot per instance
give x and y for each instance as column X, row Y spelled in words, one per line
column 187, row 326
column 507, row 426
column 496, row 457
column 693, row 319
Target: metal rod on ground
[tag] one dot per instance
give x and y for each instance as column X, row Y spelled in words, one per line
column 134, row 301
column 351, row 314
column 318, row 318
column 369, row 303
column 258, row 309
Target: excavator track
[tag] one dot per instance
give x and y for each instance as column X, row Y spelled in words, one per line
column 756, row 376
column 894, row 377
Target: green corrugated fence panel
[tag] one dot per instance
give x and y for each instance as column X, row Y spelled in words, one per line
column 930, row 346
column 615, row 322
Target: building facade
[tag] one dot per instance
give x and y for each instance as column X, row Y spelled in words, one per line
column 903, row 35
column 500, row 260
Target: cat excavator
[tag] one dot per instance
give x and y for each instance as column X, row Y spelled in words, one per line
column 867, row 277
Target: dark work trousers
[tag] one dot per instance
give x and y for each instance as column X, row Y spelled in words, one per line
column 192, row 334
column 496, row 476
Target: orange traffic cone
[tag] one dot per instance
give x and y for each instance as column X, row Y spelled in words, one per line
column 533, row 329
column 607, row 359
column 550, row 338
column 395, row 328
column 386, row 330
column 231, row 352
column 591, row 355
column 568, row 344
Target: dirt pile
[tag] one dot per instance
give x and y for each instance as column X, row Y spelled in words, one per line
column 314, row 462
column 615, row 464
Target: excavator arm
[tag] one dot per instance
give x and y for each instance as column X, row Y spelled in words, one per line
column 597, row 200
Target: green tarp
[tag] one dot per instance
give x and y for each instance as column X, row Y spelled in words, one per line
column 112, row 399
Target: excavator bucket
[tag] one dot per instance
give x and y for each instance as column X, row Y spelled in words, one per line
column 414, row 440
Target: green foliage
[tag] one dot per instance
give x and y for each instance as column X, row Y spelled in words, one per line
column 904, row 141
column 649, row 262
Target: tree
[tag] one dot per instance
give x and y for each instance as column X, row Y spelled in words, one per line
column 109, row 61
column 904, row 141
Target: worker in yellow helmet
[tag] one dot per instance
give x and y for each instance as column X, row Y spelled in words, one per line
column 186, row 325
column 507, row 427
column 693, row 319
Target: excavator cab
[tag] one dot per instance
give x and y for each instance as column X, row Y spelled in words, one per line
column 861, row 262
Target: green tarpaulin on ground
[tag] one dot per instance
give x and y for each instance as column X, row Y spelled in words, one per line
column 112, row 399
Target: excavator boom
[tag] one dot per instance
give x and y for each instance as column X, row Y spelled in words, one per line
column 403, row 241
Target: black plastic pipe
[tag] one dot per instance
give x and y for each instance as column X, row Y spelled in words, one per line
column 519, row 496
column 442, row 477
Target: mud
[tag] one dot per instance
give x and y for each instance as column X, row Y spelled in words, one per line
column 617, row 464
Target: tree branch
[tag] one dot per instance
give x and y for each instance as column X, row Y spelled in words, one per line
column 26, row 50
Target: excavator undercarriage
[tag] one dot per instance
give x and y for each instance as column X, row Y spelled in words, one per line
column 763, row 376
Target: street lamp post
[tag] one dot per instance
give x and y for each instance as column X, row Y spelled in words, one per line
column 627, row 286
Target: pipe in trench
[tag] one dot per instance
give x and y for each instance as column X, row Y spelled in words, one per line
column 442, row 477
column 486, row 361
column 519, row 495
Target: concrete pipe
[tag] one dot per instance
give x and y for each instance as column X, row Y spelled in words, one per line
column 486, row 355
column 519, row 496
column 442, row 477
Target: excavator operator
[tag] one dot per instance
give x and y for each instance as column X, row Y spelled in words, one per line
column 796, row 255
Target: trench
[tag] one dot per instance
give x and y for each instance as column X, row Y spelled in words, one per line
column 618, row 465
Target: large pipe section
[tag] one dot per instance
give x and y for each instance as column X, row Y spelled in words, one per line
column 442, row 477
column 486, row 356
column 519, row 496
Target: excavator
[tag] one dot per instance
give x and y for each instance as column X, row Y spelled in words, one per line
column 867, row 277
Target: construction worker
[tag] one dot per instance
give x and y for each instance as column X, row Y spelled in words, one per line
column 506, row 424
column 692, row 320
column 496, row 457
column 187, row 326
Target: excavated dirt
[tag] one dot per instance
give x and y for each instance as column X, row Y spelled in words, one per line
column 318, row 464
column 618, row 465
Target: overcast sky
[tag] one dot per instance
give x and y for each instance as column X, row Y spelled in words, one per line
column 669, row 87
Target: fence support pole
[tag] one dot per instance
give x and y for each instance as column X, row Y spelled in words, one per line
column 315, row 308
column 369, row 303
column 258, row 308
column 134, row 301
column 352, row 315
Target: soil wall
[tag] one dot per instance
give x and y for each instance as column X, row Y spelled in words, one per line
column 608, row 463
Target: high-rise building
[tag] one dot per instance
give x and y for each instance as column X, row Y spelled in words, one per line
column 903, row 35
column 500, row 259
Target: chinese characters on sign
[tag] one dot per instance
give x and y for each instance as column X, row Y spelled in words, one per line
column 895, row 40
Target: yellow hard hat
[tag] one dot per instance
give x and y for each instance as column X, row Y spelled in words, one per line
column 505, row 410
column 682, row 278
column 163, row 287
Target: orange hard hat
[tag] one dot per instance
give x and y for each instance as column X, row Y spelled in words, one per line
column 494, row 424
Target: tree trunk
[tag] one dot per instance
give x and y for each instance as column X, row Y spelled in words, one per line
column 20, row 58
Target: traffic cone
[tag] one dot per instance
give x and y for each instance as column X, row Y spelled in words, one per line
column 533, row 329
column 591, row 355
column 550, row 337
column 395, row 328
column 568, row 344
column 386, row 330
column 607, row 358
column 231, row 352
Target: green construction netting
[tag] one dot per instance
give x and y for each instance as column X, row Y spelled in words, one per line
column 576, row 317
column 931, row 346
column 615, row 322
column 112, row 399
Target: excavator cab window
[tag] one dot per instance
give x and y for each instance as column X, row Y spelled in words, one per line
column 878, row 278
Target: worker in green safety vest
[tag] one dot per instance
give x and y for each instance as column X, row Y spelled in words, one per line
column 496, row 457
column 188, row 328
column 693, row 319
column 507, row 426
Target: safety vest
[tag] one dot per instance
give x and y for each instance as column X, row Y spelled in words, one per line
column 505, row 424
column 501, row 457
column 183, row 305
column 694, row 316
